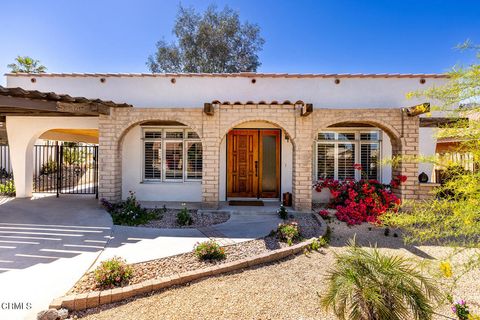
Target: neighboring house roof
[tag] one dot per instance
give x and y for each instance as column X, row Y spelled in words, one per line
column 33, row 102
column 240, row 74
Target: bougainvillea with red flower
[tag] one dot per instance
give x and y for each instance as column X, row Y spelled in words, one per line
column 360, row 201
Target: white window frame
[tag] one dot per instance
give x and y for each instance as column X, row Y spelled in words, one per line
column 164, row 140
column 357, row 146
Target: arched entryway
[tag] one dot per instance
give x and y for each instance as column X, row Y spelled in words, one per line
column 255, row 161
column 372, row 144
column 161, row 160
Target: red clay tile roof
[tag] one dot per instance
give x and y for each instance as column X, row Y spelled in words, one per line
column 241, row 74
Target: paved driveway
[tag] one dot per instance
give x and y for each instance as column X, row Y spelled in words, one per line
column 47, row 244
column 45, row 247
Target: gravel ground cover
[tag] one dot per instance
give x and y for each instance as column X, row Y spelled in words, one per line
column 200, row 219
column 188, row 261
column 286, row 289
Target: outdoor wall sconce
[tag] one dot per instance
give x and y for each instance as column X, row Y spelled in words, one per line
column 417, row 110
column 306, row 109
column 208, row 109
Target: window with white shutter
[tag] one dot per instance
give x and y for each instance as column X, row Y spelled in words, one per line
column 369, row 159
column 326, row 160
column 194, row 160
column 338, row 151
column 346, row 160
column 172, row 154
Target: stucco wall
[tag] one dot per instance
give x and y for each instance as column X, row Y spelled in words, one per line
column 159, row 91
column 23, row 132
column 427, row 146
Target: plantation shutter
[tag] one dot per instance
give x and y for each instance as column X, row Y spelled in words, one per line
column 346, row 160
column 153, row 160
column 194, row 160
column 173, row 160
column 369, row 155
column 325, row 161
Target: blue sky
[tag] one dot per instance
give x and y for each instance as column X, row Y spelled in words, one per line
column 301, row 36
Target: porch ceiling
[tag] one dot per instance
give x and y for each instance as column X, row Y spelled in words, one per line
column 17, row 101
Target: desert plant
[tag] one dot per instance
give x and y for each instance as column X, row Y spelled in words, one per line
column 113, row 272
column 73, row 155
column 288, row 232
column 129, row 212
column 49, row 167
column 365, row 284
column 209, row 250
column 318, row 243
column 5, row 174
column 184, row 218
column 7, row 188
column 282, row 212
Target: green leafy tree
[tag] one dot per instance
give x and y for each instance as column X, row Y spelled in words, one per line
column 212, row 42
column 367, row 285
column 453, row 217
column 26, row 65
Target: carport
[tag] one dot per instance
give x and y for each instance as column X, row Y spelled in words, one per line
column 30, row 115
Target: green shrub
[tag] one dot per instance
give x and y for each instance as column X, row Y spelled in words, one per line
column 113, row 272
column 209, row 250
column 288, row 232
column 318, row 243
column 366, row 284
column 328, row 235
column 184, row 218
column 7, row 188
column 49, row 167
column 282, row 212
column 129, row 212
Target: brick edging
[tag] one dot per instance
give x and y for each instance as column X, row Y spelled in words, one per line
column 96, row 298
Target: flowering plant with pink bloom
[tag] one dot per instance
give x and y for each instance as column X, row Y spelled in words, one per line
column 324, row 213
column 460, row 308
column 361, row 201
column 113, row 272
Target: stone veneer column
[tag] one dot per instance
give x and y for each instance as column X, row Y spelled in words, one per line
column 408, row 150
column 302, row 163
column 109, row 158
column 211, row 160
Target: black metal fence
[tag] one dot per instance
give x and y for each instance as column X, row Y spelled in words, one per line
column 6, row 172
column 64, row 169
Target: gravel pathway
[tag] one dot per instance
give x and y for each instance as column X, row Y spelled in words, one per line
column 200, row 219
column 284, row 290
column 188, row 261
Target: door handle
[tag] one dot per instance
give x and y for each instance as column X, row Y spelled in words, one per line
column 256, row 168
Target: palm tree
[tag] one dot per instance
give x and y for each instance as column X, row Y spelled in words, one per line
column 368, row 285
column 26, row 65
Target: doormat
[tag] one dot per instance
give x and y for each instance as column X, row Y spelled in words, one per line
column 253, row 203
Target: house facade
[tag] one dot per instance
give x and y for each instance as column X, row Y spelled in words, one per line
column 215, row 137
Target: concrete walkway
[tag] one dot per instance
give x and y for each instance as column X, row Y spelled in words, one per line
column 47, row 244
column 137, row 244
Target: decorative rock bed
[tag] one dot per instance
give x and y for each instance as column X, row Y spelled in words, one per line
column 177, row 270
column 201, row 218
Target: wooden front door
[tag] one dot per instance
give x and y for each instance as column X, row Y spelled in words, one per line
column 253, row 163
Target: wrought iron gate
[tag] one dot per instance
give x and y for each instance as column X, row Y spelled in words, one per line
column 64, row 169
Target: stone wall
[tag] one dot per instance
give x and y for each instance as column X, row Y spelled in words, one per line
column 403, row 132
